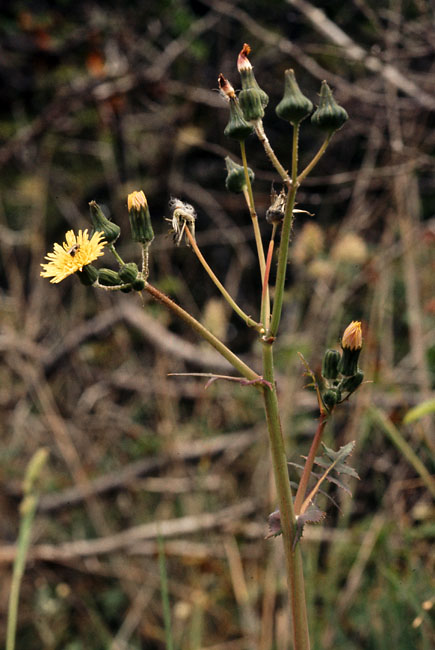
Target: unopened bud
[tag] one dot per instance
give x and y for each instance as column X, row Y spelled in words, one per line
column 351, row 344
column 140, row 218
column 128, row 272
column 237, row 128
column 350, row 384
column 88, row 275
column 253, row 100
column 330, row 363
column 294, row 106
column 236, row 179
column 103, row 224
column 329, row 116
column 331, row 397
column 108, row 278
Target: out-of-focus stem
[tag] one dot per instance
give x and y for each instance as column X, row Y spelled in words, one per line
column 248, row 320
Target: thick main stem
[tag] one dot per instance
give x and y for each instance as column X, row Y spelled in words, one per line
column 293, row 558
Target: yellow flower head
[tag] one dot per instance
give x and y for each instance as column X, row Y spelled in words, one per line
column 137, row 200
column 76, row 252
column 352, row 336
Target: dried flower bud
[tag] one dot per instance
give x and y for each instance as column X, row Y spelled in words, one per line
column 294, row 106
column 329, row 116
column 330, row 363
column 236, row 180
column 128, row 272
column 140, row 218
column 102, row 224
column 183, row 216
column 253, row 100
column 88, row 275
column 108, row 278
column 226, row 88
column 351, row 344
column 275, row 214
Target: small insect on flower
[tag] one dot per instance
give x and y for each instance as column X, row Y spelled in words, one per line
column 183, row 217
column 73, row 250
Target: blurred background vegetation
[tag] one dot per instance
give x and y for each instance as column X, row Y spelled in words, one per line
column 102, row 98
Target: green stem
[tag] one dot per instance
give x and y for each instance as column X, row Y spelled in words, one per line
column 248, row 320
column 233, row 359
column 261, row 135
column 114, row 252
column 315, row 160
column 282, row 262
column 252, row 212
column 249, row 197
column 294, row 570
column 27, row 511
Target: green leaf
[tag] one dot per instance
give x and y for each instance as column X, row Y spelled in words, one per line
column 339, row 458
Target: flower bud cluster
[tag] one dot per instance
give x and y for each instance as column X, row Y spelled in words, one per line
column 340, row 369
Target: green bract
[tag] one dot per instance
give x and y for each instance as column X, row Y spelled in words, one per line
column 294, row 106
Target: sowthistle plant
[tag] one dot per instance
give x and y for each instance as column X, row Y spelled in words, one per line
column 340, row 373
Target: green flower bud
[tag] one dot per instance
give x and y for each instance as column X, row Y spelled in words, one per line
column 108, row 278
column 235, row 180
column 138, row 284
column 140, row 218
column 330, row 364
column 126, row 288
column 331, row 397
column 351, row 344
column 329, row 116
column 350, row 384
column 102, row 224
column 128, row 272
column 253, row 100
column 294, row 106
column 88, row 275
column 237, row 127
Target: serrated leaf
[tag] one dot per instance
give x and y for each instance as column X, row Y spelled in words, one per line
column 274, row 521
column 312, row 515
column 339, row 458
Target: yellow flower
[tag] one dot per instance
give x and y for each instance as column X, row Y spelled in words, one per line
column 76, row 252
column 136, row 201
column 352, row 336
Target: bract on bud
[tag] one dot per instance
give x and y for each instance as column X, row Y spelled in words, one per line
column 294, row 106
column 140, row 218
column 350, row 384
column 102, row 224
column 329, row 116
column 330, row 363
column 236, row 180
column 128, row 272
column 351, row 344
column 88, row 275
column 108, row 278
column 253, row 100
